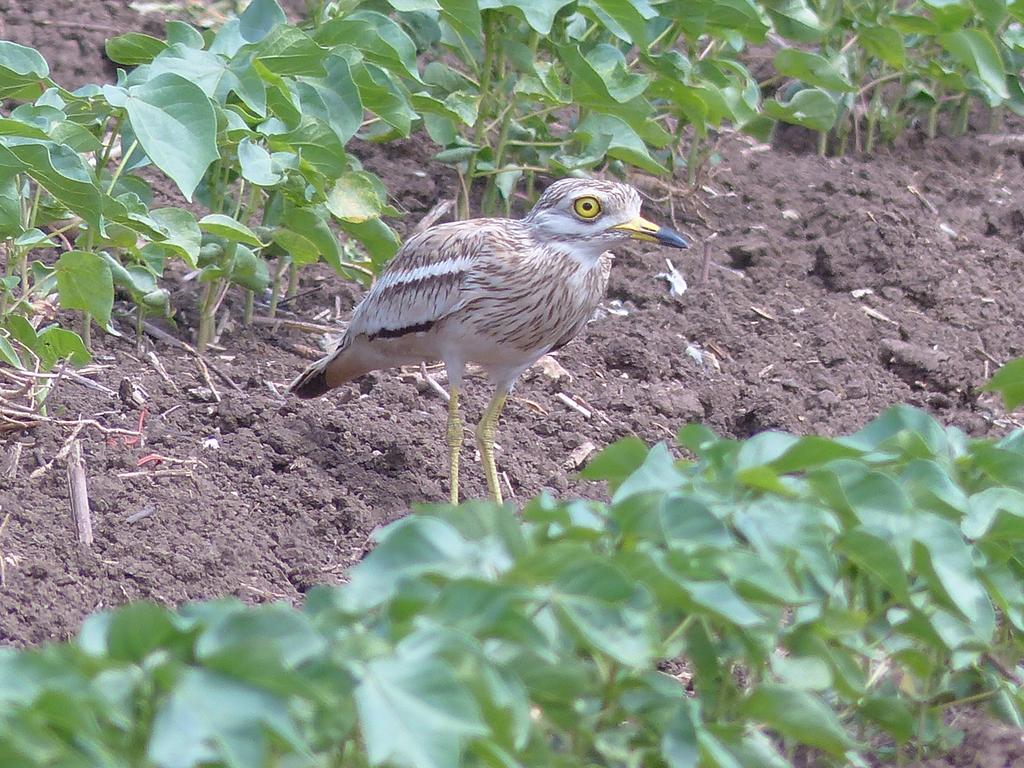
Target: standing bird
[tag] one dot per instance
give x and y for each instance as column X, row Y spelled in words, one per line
column 497, row 292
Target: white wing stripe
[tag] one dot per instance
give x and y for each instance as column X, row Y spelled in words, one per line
column 446, row 267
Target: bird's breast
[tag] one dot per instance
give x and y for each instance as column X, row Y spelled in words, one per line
column 539, row 303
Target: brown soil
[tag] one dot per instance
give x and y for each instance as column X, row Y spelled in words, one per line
column 838, row 287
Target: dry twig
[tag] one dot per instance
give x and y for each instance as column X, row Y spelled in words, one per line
column 79, row 492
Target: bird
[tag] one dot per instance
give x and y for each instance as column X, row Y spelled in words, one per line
column 501, row 293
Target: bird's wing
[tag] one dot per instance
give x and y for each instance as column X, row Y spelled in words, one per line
column 425, row 281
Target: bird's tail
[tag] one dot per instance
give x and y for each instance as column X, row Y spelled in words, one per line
column 343, row 364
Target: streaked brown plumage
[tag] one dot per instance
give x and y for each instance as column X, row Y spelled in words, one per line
column 497, row 292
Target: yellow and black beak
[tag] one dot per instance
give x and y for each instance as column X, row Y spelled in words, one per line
column 642, row 229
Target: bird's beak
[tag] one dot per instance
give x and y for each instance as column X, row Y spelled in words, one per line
column 642, row 229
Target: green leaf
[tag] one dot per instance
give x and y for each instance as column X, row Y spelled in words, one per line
column 1009, row 382
column 539, row 14
column 656, row 473
column 249, row 270
column 413, row 711
column 378, row 238
column 812, row 108
column 60, row 170
column 974, row 50
column 626, row 19
column 217, row 76
column 333, row 98
column 950, row 568
column 24, row 73
column 797, row 715
column 134, row 48
column 257, row 165
column 885, row 43
column 183, row 234
column 795, row 20
column 356, row 197
column 137, row 630
column 616, row 462
column 230, row 229
column 168, row 113
column 84, row 282
column 288, row 51
column 55, row 344
column 814, row 70
column 377, row 37
column 211, row 718
column 259, row 19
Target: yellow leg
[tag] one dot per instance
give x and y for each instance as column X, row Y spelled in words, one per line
column 485, row 433
column 454, row 443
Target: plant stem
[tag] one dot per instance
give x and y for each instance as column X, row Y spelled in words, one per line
column 207, row 316
column 963, row 114
column 247, row 310
column 275, row 290
column 822, row 143
column 486, row 99
column 293, row 280
column 121, row 166
column 114, row 133
column 87, row 331
column 140, row 319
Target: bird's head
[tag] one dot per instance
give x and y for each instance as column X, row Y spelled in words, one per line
column 587, row 216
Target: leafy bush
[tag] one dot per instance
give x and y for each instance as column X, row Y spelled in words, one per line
column 251, row 120
column 831, row 595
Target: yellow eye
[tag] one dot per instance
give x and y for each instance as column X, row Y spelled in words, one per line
column 587, row 207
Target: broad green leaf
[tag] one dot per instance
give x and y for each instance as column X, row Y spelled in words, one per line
column 679, row 746
column 55, row 344
column 185, row 34
column 137, row 630
column 84, row 282
column 317, row 144
column 288, row 51
column 616, row 462
column 217, row 76
column 608, row 611
column 377, row 37
column 305, row 235
column 168, row 113
column 814, row 69
column 656, row 473
column 812, row 108
column 379, row 240
column 356, row 197
column 249, row 270
column 797, row 715
column 8, row 354
column 183, row 234
column 539, row 14
column 795, row 20
column 229, row 229
column 257, row 165
column 333, row 98
column 1008, row 381
column 974, row 50
column 60, row 170
column 134, row 48
column 259, row 19
column 22, row 71
column 626, row 19
column 413, row 711
column 741, row 16
column 949, row 562
column 891, row 714
column 382, row 96
column 619, row 140
column 210, row 718
column 886, row 43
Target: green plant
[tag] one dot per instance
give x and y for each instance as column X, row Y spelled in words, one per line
column 832, row 595
column 514, row 89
